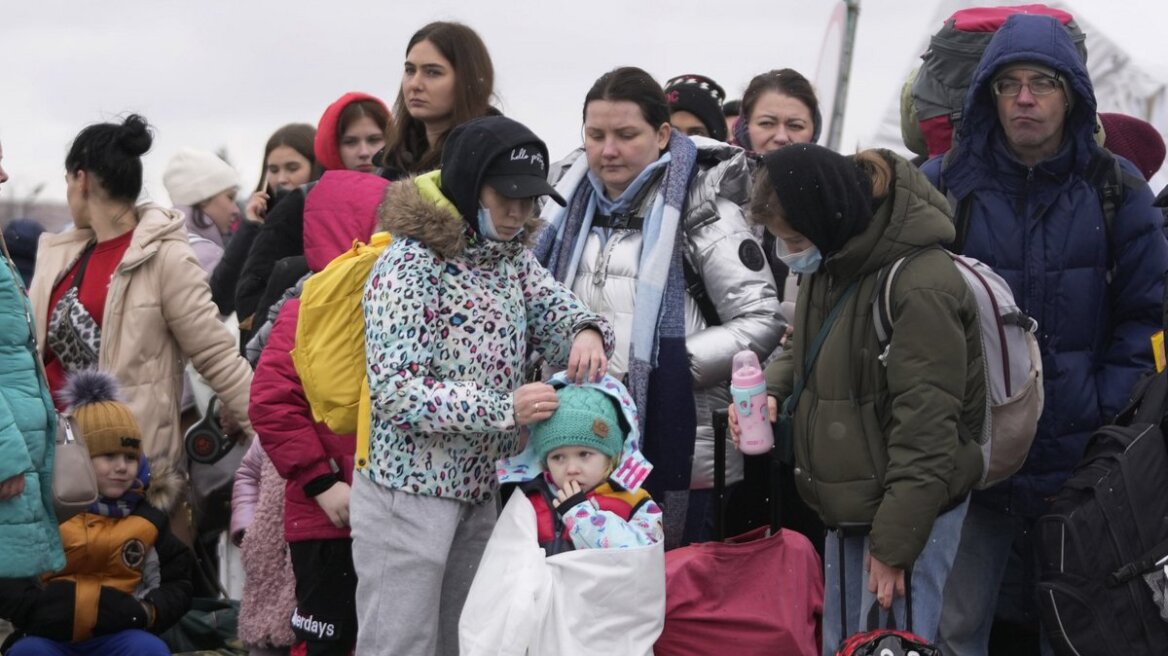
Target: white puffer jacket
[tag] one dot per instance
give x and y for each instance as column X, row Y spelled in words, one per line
column 724, row 251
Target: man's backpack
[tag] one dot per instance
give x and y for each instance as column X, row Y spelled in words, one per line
column 330, row 336
column 938, row 92
column 1105, row 534
column 1013, row 364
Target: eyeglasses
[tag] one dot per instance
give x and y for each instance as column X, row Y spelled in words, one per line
column 1039, row 86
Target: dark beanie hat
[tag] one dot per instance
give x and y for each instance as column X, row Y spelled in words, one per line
column 700, row 96
column 22, row 236
column 496, row 148
column 824, row 196
column 1134, row 140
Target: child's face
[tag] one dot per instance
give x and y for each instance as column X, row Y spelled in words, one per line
column 588, row 467
column 116, row 472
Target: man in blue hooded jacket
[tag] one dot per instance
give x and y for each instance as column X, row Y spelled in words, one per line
column 1021, row 163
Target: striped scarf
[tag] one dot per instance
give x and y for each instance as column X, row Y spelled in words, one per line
column 659, row 379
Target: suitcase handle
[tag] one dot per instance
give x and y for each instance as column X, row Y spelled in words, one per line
column 720, row 418
column 848, row 530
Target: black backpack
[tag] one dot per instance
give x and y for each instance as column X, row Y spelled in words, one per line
column 1106, row 531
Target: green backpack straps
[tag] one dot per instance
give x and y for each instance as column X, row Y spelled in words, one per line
column 785, row 442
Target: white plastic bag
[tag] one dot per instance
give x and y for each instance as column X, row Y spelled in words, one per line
column 588, row 601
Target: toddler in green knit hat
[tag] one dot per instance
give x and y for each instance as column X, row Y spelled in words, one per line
column 576, row 504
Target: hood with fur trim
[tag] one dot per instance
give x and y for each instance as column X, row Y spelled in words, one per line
column 632, row 468
column 417, row 208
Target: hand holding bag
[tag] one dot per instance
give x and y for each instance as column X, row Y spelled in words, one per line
column 74, row 482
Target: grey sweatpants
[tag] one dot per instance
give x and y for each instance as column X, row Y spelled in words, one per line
column 415, row 557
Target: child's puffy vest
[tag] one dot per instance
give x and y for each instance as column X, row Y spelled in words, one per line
column 330, row 338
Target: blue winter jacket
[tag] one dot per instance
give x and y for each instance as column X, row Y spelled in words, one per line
column 1042, row 229
column 30, row 543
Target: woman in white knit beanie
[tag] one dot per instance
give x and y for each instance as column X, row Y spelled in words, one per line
column 207, row 185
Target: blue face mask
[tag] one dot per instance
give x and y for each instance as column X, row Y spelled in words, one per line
column 487, row 226
column 805, row 261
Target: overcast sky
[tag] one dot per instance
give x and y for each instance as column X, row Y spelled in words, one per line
column 223, row 73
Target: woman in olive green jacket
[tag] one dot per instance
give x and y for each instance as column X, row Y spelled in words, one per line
column 882, row 443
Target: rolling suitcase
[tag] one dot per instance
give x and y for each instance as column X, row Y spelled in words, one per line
column 760, row 592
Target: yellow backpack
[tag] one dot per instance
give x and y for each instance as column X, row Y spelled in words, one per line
column 330, row 338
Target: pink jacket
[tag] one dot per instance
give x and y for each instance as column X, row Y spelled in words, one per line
column 245, row 493
column 341, row 208
column 269, row 585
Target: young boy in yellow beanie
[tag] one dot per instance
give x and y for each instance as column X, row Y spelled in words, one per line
column 126, row 577
column 576, row 505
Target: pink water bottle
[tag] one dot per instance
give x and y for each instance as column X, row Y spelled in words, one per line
column 748, row 387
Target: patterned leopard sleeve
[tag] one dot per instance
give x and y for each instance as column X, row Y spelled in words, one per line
column 592, row 528
column 401, row 301
column 555, row 314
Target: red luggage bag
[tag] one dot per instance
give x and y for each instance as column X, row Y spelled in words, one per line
column 758, row 593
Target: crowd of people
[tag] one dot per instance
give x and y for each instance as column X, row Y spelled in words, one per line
column 567, row 326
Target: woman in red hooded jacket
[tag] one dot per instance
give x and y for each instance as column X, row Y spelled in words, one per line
column 315, row 463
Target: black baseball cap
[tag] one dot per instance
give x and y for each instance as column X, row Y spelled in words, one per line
column 521, row 173
column 494, row 150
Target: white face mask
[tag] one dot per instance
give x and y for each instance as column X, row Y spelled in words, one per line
column 805, row 261
column 487, row 226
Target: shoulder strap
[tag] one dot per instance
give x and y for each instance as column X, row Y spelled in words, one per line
column 960, row 208
column 1110, row 181
column 697, row 289
column 816, row 345
column 1105, row 176
column 882, row 303
column 82, row 264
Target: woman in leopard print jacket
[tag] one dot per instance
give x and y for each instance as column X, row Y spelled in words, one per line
column 452, row 309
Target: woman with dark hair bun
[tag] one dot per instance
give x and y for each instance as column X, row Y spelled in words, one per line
column 124, row 292
column 654, row 239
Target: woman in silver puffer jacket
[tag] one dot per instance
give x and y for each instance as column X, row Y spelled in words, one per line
column 654, row 238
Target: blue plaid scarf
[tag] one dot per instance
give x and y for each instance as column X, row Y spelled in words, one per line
column 659, row 379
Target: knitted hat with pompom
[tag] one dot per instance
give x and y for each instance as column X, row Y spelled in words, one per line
column 106, row 423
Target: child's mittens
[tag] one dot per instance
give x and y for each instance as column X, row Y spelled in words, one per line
column 52, row 615
column 118, row 611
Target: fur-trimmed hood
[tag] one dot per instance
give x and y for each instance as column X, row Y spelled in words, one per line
column 417, row 208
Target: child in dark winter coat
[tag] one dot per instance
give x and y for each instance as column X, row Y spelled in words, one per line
column 126, row 577
column 576, row 506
